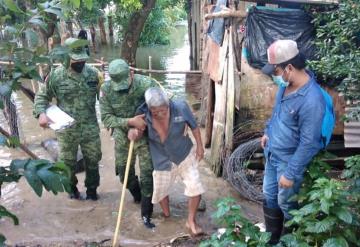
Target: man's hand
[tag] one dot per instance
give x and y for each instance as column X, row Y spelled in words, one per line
column 264, row 140
column 199, row 152
column 134, row 134
column 285, row 183
column 138, row 122
column 44, row 121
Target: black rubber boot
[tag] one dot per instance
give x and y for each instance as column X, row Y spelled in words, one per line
column 146, row 211
column 274, row 219
column 135, row 192
column 91, row 194
column 75, row 194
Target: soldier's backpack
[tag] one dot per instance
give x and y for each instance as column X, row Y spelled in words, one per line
column 329, row 119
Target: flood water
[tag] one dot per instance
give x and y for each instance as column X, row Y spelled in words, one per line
column 57, row 221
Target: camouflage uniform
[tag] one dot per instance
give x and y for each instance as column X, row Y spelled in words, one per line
column 119, row 99
column 75, row 94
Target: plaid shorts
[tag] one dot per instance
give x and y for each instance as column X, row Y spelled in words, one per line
column 187, row 170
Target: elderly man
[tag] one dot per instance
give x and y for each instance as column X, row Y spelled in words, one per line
column 171, row 151
column 293, row 134
column 119, row 99
column 75, row 89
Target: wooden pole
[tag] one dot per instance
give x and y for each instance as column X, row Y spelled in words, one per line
column 22, row 146
column 145, row 71
column 226, row 14
column 150, row 66
column 127, row 169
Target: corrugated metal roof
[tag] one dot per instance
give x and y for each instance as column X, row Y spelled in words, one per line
column 352, row 134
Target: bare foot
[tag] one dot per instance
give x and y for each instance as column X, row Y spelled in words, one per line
column 193, row 229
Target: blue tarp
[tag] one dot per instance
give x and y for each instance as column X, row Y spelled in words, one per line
column 216, row 26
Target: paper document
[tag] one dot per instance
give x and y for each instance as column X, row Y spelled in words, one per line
column 60, row 119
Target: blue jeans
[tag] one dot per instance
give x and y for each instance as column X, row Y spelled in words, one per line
column 276, row 197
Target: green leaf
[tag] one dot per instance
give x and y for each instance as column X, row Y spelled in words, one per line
column 336, row 242
column 18, row 166
column 56, row 11
column 325, row 206
column 50, row 180
column 328, row 193
column 5, row 213
column 344, row 215
column 76, row 3
column 324, row 225
column 38, row 21
column 88, row 4
column 11, row 5
column 1, row 104
column 32, row 36
column 34, row 181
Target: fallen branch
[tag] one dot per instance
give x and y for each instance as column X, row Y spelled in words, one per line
column 22, row 146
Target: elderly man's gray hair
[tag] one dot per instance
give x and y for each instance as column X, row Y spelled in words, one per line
column 155, row 97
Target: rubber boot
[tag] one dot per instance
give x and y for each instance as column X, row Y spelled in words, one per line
column 274, row 219
column 136, row 192
column 146, row 211
column 75, row 194
column 91, row 194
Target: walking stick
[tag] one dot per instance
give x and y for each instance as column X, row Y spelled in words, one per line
column 123, row 192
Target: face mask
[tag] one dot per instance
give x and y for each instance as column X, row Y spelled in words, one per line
column 78, row 66
column 279, row 80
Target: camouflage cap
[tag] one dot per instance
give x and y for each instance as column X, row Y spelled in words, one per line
column 77, row 51
column 119, row 74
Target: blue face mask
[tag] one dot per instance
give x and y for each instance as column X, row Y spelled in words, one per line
column 278, row 79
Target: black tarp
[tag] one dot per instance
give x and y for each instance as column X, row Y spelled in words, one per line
column 266, row 25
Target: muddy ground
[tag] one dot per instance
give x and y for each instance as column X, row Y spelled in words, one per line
column 58, row 221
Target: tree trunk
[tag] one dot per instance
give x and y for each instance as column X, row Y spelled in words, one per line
column 69, row 26
column 102, row 30
column 111, row 30
column 132, row 34
column 93, row 34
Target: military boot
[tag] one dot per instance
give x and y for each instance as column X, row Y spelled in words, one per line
column 146, row 211
column 274, row 223
column 75, row 194
column 91, row 194
column 136, row 192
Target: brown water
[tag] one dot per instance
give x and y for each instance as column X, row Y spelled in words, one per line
column 57, row 221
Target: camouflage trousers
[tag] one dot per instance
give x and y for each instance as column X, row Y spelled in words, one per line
column 141, row 148
column 87, row 137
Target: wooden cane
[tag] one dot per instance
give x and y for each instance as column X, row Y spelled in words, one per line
column 123, row 193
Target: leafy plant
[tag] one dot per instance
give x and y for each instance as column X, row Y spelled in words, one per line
column 239, row 231
column 330, row 214
column 338, row 54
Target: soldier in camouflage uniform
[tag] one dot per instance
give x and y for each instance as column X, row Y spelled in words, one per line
column 75, row 89
column 119, row 99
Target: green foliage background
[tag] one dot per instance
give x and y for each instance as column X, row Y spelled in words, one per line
column 338, row 50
